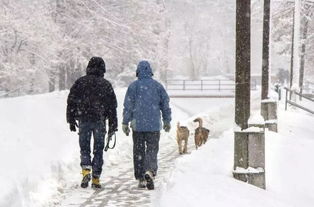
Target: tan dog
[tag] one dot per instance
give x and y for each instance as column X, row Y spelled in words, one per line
column 182, row 135
column 201, row 133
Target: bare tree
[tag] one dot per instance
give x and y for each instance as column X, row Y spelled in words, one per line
column 308, row 7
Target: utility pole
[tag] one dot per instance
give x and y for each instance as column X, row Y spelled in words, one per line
column 249, row 145
column 268, row 107
column 243, row 61
column 265, row 62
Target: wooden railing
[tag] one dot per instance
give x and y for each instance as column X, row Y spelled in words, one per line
column 289, row 93
column 203, row 85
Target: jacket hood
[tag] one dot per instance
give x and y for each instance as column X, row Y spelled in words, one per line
column 144, row 70
column 96, row 66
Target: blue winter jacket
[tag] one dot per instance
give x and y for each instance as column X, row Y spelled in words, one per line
column 144, row 100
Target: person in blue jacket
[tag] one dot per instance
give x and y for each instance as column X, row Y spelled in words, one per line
column 145, row 102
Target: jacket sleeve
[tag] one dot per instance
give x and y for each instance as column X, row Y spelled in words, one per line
column 164, row 105
column 72, row 103
column 112, row 110
column 129, row 103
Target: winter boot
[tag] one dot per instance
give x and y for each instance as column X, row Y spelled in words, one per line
column 142, row 183
column 149, row 177
column 86, row 178
column 96, row 183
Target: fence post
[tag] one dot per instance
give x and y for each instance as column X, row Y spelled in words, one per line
column 219, row 85
column 183, row 84
column 201, row 85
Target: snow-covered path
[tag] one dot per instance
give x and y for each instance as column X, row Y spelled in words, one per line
column 119, row 186
column 41, row 155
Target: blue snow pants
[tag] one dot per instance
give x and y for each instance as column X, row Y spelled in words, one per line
column 145, row 150
column 86, row 130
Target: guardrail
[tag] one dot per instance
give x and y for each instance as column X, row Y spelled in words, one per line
column 202, row 85
column 289, row 93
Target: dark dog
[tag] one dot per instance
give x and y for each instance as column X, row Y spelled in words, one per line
column 201, row 133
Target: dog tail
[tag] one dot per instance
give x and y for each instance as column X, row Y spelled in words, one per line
column 200, row 121
column 178, row 125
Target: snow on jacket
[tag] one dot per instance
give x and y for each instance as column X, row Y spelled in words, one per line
column 92, row 97
column 144, row 102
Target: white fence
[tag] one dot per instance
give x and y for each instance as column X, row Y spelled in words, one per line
column 204, row 85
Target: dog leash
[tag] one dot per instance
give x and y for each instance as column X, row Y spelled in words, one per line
column 108, row 142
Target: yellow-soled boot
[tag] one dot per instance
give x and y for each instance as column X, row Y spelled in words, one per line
column 86, row 178
column 96, row 183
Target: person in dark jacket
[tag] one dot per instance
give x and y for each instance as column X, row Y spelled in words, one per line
column 91, row 102
column 145, row 102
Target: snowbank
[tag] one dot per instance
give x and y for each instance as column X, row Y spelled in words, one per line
column 39, row 155
column 205, row 177
column 36, row 147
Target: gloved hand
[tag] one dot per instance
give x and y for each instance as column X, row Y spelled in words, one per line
column 73, row 126
column 126, row 129
column 167, row 126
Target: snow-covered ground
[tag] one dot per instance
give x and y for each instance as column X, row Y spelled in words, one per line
column 40, row 156
column 205, row 177
column 40, row 159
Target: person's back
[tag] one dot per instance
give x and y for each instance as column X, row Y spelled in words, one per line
column 143, row 102
column 90, row 102
column 91, row 97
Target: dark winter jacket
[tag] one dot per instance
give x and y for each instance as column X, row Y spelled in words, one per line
column 92, row 97
column 144, row 100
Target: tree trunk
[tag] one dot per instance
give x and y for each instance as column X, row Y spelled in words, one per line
column 52, row 82
column 297, row 46
column 243, row 61
column 292, row 53
column 194, row 73
column 62, row 78
column 302, row 61
column 265, row 62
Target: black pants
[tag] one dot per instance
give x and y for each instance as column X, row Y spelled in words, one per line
column 145, row 150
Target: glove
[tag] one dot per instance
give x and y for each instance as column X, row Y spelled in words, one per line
column 167, row 126
column 126, row 129
column 73, row 126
